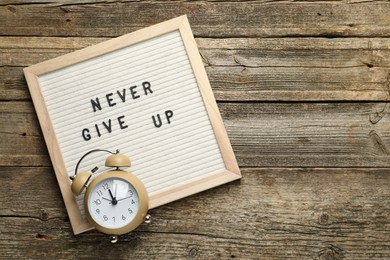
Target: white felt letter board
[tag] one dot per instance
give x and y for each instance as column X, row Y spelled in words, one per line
column 146, row 94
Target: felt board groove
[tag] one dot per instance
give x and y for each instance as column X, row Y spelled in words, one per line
column 168, row 136
column 147, row 96
column 171, row 94
column 178, row 72
column 196, row 133
column 122, row 64
column 164, row 67
column 146, row 48
column 187, row 111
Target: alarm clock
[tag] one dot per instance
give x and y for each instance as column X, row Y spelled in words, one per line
column 116, row 201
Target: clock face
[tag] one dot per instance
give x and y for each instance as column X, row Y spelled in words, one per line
column 113, row 203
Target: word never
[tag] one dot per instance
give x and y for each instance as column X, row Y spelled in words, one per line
column 147, row 87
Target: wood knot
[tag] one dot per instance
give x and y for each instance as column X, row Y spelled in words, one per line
column 64, row 9
column 44, row 215
column 376, row 116
column 193, row 252
column 379, row 146
column 40, row 236
column 324, row 219
column 269, row 181
column 304, row 140
column 331, row 253
column 11, row 8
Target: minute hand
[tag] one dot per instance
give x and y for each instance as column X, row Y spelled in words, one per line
column 124, row 198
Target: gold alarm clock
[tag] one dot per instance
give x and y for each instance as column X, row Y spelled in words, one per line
column 116, row 201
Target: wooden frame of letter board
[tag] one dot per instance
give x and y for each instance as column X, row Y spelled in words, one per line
column 32, row 73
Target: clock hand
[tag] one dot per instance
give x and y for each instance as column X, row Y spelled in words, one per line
column 112, row 197
column 124, row 198
column 113, row 201
column 106, row 199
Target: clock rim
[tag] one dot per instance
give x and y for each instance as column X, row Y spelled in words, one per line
column 142, row 196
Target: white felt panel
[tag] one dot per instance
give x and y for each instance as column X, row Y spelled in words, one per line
column 164, row 157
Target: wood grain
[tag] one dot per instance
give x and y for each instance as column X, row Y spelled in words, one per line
column 290, row 69
column 262, row 134
column 299, row 83
column 208, row 19
column 277, row 213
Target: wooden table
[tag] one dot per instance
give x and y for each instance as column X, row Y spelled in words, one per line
column 303, row 88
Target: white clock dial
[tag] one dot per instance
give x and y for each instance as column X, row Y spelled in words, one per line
column 113, row 203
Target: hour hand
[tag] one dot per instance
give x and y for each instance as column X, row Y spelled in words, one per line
column 113, row 199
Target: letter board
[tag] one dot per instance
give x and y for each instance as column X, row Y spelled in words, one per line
column 146, row 94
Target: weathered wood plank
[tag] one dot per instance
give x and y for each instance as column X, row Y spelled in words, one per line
column 244, row 69
column 208, row 19
column 262, row 134
column 20, row 131
column 73, row 2
column 35, row 192
column 242, row 83
column 299, row 213
column 309, row 134
column 277, row 213
column 252, row 52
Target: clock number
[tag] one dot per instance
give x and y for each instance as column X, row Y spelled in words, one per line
column 97, row 211
column 130, row 193
column 105, row 186
column 105, row 218
column 130, row 211
column 113, row 219
column 99, row 192
column 97, row 202
column 132, row 202
column 123, row 217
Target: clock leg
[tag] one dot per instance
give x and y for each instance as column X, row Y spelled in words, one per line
column 148, row 219
column 114, row 239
